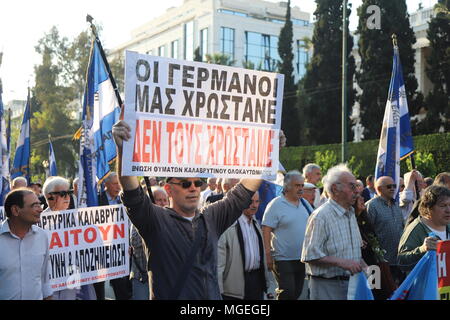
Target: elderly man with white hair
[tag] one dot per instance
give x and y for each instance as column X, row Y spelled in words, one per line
column 313, row 174
column 285, row 217
column 57, row 194
column 332, row 245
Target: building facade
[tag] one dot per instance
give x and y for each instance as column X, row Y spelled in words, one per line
column 246, row 32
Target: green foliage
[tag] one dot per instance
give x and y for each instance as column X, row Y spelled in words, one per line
column 362, row 155
column 437, row 102
column 319, row 96
column 220, row 58
column 376, row 52
column 424, row 163
column 197, row 55
column 290, row 116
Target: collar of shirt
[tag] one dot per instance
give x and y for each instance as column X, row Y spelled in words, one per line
column 290, row 203
column 116, row 199
column 244, row 219
column 4, row 228
column 340, row 210
column 388, row 203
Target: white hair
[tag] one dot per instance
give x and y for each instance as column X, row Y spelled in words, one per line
column 157, row 188
column 75, row 181
column 333, row 176
column 288, row 178
column 210, row 179
column 309, row 168
column 110, row 176
column 18, row 179
column 53, row 182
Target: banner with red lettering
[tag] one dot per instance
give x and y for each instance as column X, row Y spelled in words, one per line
column 443, row 265
column 192, row 119
column 87, row 245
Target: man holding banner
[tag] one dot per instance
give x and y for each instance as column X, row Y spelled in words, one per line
column 182, row 241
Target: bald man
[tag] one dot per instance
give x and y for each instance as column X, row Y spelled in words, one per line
column 386, row 217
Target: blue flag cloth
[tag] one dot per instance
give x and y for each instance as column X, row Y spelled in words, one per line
column 363, row 291
column 4, row 154
column 422, row 281
column 21, row 164
column 267, row 191
column 52, row 161
column 100, row 111
column 396, row 140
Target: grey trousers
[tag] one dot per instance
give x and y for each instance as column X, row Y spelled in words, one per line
column 323, row 289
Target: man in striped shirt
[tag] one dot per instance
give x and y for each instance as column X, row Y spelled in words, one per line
column 332, row 245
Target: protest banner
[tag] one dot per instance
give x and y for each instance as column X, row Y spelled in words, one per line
column 2, row 214
column 87, row 245
column 192, row 119
column 443, row 265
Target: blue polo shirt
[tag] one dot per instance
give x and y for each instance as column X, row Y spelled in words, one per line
column 288, row 222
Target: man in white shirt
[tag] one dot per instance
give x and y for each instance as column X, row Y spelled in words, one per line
column 24, row 254
column 212, row 185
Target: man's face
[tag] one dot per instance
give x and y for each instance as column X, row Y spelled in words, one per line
column 309, row 194
column 253, row 208
column 31, row 212
column 228, row 186
column 184, row 199
column 347, row 192
column 113, row 187
column 386, row 187
column 402, row 185
column 212, row 184
column 37, row 189
column 161, row 198
column 314, row 176
column 295, row 188
column 58, row 202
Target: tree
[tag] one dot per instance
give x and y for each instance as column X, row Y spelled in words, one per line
column 197, row 55
column 59, row 83
column 290, row 115
column 438, row 71
column 220, row 58
column 376, row 52
column 319, row 97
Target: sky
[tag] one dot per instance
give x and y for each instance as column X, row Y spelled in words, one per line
column 24, row 22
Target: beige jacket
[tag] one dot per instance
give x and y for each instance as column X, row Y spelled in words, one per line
column 230, row 264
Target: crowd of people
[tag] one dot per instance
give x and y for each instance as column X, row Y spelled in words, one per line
column 193, row 240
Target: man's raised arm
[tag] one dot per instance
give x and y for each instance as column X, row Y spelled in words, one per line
column 121, row 132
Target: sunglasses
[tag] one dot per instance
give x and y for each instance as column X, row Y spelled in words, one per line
column 61, row 193
column 185, row 184
column 391, row 186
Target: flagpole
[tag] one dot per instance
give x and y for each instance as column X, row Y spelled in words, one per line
column 344, row 81
column 411, row 156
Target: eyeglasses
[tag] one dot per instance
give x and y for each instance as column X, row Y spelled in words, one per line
column 185, row 184
column 61, row 193
column 391, row 186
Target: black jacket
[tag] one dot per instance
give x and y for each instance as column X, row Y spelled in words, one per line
column 169, row 238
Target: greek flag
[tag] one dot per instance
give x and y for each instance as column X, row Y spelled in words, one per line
column 4, row 154
column 396, row 141
column 52, row 160
column 21, row 164
column 100, row 111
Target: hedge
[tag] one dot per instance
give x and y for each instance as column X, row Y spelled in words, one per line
column 366, row 151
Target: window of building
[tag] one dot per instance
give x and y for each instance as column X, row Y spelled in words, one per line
column 227, row 41
column 204, row 43
column 162, row 51
column 189, row 41
column 302, row 58
column 174, row 49
column 300, row 22
column 235, row 13
column 261, row 50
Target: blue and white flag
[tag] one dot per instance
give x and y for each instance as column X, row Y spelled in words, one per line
column 52, row 160
column 422, row 281
column 100, row 111
column 4, row 154
column 21, row 164
column 362, row 289
column 396, row 140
